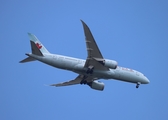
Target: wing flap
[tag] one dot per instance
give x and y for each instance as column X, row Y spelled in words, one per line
column 97, row 65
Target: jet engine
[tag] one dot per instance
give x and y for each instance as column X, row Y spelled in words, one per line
column 108, row 63
column 97, row 85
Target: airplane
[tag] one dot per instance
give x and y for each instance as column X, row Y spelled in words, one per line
column 89, row 71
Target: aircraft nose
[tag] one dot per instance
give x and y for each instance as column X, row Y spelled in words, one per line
column 146, row 80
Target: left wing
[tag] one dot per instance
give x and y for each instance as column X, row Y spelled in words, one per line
column 93, row 51
column 77, row 80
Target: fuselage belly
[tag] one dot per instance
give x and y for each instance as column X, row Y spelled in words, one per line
column 77, row 66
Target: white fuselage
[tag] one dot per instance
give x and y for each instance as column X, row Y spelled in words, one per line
column 77, row 66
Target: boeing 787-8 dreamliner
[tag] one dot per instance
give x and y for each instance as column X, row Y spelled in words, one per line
column 89, row 71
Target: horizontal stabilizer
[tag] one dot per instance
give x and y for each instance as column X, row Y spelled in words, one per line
column 28, row 59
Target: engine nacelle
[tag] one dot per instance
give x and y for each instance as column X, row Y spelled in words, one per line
column 110, row 63
column 97, row 85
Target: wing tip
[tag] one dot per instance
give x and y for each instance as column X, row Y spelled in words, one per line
column 53, row 85
column 82, row 22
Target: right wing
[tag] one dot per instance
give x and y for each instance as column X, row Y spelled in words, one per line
column 77, row 80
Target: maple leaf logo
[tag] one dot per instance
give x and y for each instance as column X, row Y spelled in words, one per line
column 38, row 46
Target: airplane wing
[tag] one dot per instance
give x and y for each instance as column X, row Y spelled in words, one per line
column 92, row 50
column 77, row 80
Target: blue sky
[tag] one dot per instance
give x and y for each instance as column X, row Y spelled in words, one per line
column 134, row 33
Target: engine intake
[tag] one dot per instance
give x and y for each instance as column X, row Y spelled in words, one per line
column 97, row 85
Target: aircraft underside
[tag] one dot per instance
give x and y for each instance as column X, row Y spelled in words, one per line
column 95, row 67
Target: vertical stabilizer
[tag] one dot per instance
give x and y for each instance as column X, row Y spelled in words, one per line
column 37, row 47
